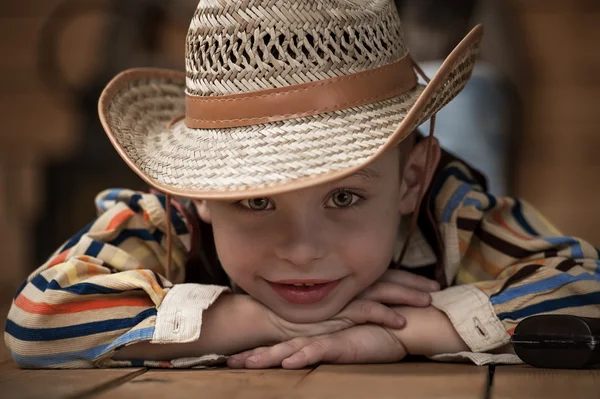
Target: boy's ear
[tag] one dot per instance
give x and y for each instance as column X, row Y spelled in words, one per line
column 414, row 170
column 203, row 211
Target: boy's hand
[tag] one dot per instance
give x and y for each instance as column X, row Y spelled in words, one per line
column 359, row 311
column 399, row 287
column 394, row 287
column 428, row 332
column 360, row 344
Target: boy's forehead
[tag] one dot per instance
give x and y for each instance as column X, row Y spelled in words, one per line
column 368, row 173
column 377, row 168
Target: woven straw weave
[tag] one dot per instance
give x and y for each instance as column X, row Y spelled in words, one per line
column 240, row 46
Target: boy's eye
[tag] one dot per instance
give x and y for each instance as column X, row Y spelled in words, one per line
column 343, row 199
column 257, row 204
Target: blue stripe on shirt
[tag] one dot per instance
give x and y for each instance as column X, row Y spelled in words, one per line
column 21, row 287
column 540, row 286
column 80, row 288
column 76, row 330
column 492, row 202
column 142, row 234
column 560, row 240
column 447, row 173
column 454, row 202
column 94, row 249
column 75, row 239
column 520, row 218
column 113, row 194
column 576, row 251
column 472, row 202
column 134, row 202
column 552, row 305
column 90, row 354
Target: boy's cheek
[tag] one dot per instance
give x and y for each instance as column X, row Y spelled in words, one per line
column 372, row 247
column 238, row 257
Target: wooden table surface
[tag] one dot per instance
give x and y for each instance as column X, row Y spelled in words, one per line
column 402, row 380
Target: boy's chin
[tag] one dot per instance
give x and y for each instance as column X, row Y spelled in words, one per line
column 310, row 314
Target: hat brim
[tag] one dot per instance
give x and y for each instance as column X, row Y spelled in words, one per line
column 138, row 106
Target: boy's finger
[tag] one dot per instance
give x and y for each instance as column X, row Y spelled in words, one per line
column 312, row 353
column 361, row 311
column 275, row 354
column 395, row 294
column 238, row 360
column 408, row 279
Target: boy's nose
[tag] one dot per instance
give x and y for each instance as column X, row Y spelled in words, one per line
column 299, row 243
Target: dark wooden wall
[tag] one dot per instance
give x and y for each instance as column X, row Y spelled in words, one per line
column 557, row 168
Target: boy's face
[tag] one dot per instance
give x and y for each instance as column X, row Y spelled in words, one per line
column 339, row 236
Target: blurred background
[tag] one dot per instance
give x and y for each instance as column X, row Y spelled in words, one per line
column 529, row 117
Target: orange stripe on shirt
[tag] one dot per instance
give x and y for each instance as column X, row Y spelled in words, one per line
column 474, row 255
column 119, row 218
column 80, row 306
column 155, row 286
column 60, row 258
column 497, row 217
column 94, row 269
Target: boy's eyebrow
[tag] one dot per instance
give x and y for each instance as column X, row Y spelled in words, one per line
column 367, row 174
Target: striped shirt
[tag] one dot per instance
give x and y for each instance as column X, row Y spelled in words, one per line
column 497, row 258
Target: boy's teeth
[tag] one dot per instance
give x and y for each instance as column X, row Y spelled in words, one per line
column 303, row 285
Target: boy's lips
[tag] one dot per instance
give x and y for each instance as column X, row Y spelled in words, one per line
column 303, row 281
column 303, row 295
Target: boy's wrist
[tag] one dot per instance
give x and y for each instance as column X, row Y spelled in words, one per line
column 428, row 332
column 263, row 319
column 249, row 315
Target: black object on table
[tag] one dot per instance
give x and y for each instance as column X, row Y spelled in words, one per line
column 558, row 341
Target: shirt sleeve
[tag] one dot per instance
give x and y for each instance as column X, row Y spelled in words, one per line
column 505, row 263
column 104, row 289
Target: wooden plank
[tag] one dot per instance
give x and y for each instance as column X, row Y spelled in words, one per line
column 560, row 46
column 80, row 46
column 531, row 383
column 401, row 380
column 38, row 120
column 210, row 383
column 28, row 8
column 48, row 384
column 555, row 6
column 18, row 41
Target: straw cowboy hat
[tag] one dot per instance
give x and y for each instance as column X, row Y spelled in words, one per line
column 277, row 95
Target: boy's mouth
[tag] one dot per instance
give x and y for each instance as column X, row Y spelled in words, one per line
column 303, row 292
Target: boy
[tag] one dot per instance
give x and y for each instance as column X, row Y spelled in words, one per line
column 292, row 135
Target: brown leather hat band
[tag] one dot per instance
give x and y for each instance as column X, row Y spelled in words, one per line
column 301, row 100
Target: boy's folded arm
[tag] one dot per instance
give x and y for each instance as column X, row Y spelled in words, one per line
column 104, row 289
column 507, row 263
column 54, row 323
column 428, row 332
column 232, row 324
column 485, row 314
column 475, row 321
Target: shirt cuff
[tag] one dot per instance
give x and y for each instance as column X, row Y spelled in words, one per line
column 480, row 359
column 179, row 316
column 473, row 317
